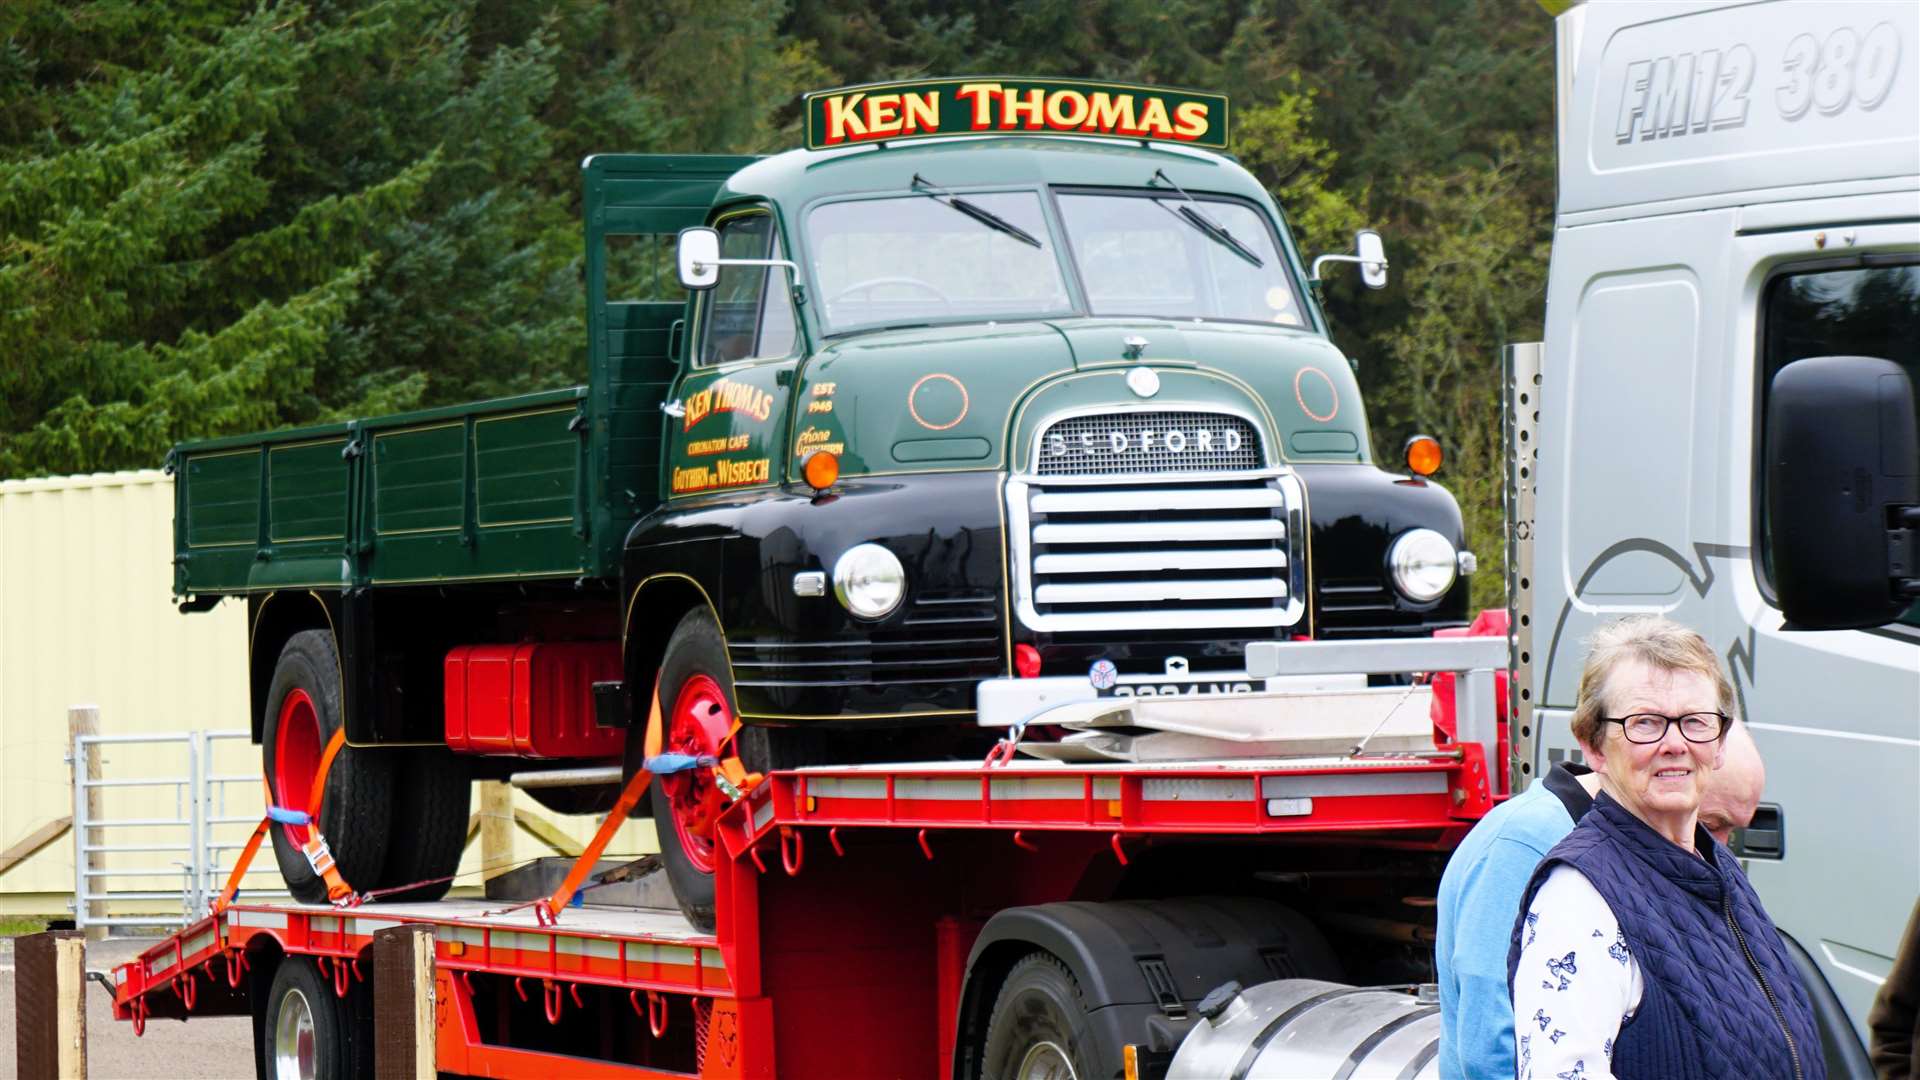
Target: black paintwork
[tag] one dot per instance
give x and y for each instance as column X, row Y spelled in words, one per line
column 1356, row 511
column 804, row 658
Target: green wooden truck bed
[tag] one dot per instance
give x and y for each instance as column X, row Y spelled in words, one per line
column 494, row 489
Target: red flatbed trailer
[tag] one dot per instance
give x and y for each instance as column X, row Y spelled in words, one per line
column 850, row 915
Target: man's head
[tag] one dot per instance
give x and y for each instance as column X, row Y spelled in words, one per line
column 1733, row 790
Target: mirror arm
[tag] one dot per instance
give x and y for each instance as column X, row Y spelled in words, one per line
column 788, row 263
column 1903, row 544
column 1315, row 272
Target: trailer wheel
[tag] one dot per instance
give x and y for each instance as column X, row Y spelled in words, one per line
column 1038, row 1028
column 430, row 812
column 696, row 698
column 308, row 1033
column 356, row 816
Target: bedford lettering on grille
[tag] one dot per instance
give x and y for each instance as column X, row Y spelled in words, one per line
column 1173, row 441
column 1149, row 442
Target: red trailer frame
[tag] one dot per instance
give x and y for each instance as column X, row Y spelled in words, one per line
column 848, row 906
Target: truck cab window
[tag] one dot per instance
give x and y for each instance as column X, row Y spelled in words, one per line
column 1854, row 311
column 1139, row 255
column 749, row 312
column 915, row 259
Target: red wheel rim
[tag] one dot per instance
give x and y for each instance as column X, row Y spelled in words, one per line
column 296, row 757
column 701, row 724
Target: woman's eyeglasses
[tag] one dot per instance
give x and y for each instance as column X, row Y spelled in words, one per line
column 1698, row 727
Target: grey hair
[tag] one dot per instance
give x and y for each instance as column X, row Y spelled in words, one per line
column 1654, row 640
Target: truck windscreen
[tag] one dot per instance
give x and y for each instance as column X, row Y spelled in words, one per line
column 913, row 259
column 1142, row 255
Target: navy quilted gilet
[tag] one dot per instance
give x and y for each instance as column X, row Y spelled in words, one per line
column 1698, row 932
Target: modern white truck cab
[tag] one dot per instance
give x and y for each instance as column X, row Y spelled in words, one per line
column 1739, row 196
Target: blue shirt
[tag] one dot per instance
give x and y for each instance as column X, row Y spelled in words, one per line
column 1479, row 899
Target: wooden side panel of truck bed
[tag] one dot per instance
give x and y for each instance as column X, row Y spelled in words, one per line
column 485, row 491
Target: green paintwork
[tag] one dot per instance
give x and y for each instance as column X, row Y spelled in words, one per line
column 924, row 108
column 870, row 381
column 886, row 425
column 543, row 485
column 630, row 361
column 307, row 492
column 729, row 437
column 548, row 485
column 226, row 506
column 481, row 491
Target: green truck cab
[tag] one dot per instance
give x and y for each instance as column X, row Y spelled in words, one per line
column 945, row 412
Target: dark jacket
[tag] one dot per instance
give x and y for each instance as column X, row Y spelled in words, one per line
column 1895, row 1019
column 1720, row 998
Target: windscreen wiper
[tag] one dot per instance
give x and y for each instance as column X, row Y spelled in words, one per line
column 1208, row 227
column 975, row 211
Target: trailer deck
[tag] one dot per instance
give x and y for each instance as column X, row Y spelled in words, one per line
column 702, row 1004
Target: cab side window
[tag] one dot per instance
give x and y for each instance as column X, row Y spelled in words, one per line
column 1871, row 310
column 749, row 312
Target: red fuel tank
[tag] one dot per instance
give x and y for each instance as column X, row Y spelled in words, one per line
column 531, row 700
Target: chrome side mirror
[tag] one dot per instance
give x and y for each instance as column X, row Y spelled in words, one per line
column 699, row 257
column 1370, row 252
column 1373, row 258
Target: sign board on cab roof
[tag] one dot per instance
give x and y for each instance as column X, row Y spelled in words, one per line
column 1002, row 105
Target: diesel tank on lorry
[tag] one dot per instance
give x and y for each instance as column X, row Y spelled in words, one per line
column 995, row 382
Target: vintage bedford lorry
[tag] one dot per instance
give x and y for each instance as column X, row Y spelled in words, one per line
column 995, row 380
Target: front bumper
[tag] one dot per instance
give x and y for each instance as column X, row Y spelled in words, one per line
column 1300, row 698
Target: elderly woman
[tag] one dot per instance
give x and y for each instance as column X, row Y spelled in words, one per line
column 1640, row 951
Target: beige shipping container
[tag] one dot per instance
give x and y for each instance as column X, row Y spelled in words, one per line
column 87, row 618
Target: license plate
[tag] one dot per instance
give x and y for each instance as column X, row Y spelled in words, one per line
column 1185, row 688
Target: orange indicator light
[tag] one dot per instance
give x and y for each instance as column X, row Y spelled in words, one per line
column 1423, row 455
column 821, row 469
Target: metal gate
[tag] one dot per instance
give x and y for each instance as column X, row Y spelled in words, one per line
column 171, row 830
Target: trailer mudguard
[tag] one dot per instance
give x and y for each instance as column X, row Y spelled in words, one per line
column 1142, row 965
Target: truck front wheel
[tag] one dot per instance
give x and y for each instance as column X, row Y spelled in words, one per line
column 356, row 815
column 696, row 698
column 1038, row 1028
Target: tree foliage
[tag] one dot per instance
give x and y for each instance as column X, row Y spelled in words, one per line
column 218, row 215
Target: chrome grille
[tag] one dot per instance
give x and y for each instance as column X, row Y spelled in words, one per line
column 1129, row 443
column 1141, row 554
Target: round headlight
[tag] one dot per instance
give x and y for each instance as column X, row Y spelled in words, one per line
column 1424, row 564
column 869, row 581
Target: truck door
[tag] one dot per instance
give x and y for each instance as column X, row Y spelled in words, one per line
column 730, row 403
column 635, row 207
column 1835, row 853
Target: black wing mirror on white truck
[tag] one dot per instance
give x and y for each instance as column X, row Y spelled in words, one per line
column 1842, row 507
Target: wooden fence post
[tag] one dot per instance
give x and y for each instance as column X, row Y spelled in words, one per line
column 403, row 1004
column 496, row 828
column 50, row 1005
column 85, row 720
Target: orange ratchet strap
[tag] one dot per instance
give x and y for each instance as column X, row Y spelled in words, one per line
column 315, row 849
column 549, row 909
column 730, row 774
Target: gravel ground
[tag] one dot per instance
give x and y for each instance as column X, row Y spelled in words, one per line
column 211, row 1048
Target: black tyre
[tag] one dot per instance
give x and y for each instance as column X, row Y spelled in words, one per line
column 306, row 1033
column 697, row 712
column 431, row 796
column 357, row 809
column 1038, row 1029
